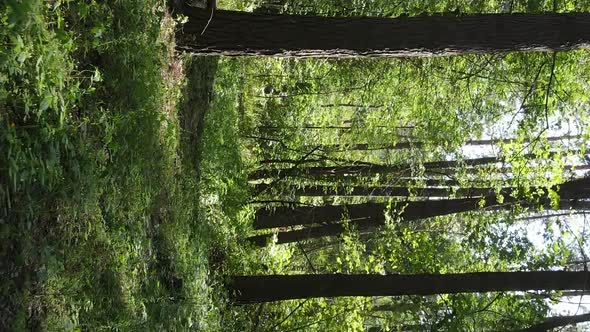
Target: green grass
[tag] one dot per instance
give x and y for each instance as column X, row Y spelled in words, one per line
column 121, row 180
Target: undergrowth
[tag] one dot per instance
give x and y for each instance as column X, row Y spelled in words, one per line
column 121, row 205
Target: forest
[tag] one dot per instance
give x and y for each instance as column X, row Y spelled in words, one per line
column 294, row 165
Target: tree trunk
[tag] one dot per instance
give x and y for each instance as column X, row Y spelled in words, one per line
column 312, row 127
column 575, row 293
column 362, row 217
column 361, row 169
column 407, row 145
column 257, row 289
column 361, row 106
column 377, row 218
column 305, row 215
column 367, row 216
column 399, row 328
column 398, row 307
column 558, row 321
column 243, row 33
column 385, row 191
column 368, row 169
column 373, row 212
column 391, row 191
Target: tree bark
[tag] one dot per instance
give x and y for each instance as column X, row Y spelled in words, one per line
column 390, row 191
column 398, row 307
column 243, row 33
column 399, row 328
column 312, row 127
column 378, row 219
column 575, row 293
column 257, row 289
column 407, row 145
column 558, row 321
column 305, row 215
column 385, row 191
column 366, row 169
column 367, row 216
column 372, row 169
column 285, row 216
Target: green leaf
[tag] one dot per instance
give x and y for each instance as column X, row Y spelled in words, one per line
column 22, row 57
column 46, row 102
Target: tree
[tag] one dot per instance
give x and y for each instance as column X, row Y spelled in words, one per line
column 386, row 191
column 366, row 216
column 558, row 321
column 362, row 168
column 408, row 145
column 372, row 169
column 268, row 288
column 399, row 328
column 242, row 33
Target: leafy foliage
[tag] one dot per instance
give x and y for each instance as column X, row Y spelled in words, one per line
column 126, row 170
column 99, row 189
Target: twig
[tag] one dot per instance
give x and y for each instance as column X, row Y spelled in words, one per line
column 213, row 5
column 548, row 89
column 289, row 315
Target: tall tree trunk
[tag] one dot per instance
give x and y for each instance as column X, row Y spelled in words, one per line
column 407, row 145
column 305, row 215
column 369, row 169
column 257, row 289
column 367, row 216
column 398, row 191
column 347, row 128
column 242, row 33
column 363, row 169
column 398, row 307
column 367, row 224
column 399, row 328
column 387, row 191
column 361, row 106
column 575, row 293
column 374, row 217
column 371, row 212
column 558, row 321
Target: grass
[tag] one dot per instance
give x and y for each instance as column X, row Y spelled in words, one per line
column 120, row 178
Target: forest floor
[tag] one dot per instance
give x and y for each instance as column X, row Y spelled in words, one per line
column 121, row 181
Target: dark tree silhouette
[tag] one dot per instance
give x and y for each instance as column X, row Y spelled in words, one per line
column 256, row 289
column 367, row 216
column 558, row 321
column 243, row 33
column 362, row 168
column 408, row 145
column 387, row 191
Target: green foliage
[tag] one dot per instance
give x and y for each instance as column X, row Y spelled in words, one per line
column 311, row 112
column 387, row 8
column 101, row 226
column 124, row 169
